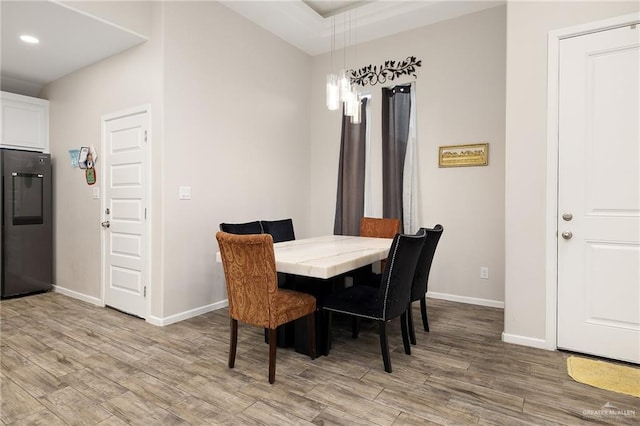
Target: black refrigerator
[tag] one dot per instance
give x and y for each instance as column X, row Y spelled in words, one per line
column 26, row 250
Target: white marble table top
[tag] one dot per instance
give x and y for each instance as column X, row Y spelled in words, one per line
column 327, row 256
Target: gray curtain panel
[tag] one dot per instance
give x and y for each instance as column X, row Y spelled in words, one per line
column 396, row 106
column 350, row 196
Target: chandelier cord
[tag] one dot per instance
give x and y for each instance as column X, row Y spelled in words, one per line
column 333, row 41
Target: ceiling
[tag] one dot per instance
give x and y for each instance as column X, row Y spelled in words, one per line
column 71, row 39
column 310, row 25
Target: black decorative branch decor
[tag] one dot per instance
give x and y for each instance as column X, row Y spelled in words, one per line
column 372, row 74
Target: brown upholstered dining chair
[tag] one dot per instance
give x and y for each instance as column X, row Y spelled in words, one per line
column 379, row 228
column 254, row 297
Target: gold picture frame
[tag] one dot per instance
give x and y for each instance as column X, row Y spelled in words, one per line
column 464, row 155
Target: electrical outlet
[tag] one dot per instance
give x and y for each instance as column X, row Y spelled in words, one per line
column 484, row 272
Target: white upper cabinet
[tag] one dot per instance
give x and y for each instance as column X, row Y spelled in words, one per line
column 24, row 123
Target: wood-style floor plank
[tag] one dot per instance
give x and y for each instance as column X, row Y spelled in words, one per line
column 66, row 362
column 16, row 403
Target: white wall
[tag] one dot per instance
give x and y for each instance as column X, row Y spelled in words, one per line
column 269, row 92
column 528, row 25
column 460, row 100
column 229, row 110
column 236, row 131
column 77, row 103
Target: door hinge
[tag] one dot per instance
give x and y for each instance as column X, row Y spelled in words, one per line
column 145, row 213
column 145, row 291
column 145, row 136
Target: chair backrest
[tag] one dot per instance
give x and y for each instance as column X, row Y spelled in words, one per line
column 421, row 277
column 250, row 272
column 397, row 278
column 242, row 228
column 280, row 230
column 379, row 227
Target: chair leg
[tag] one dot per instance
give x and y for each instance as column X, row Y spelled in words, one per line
column 423, row 309
column 355, row 326
column 405, row 333
column 311, row 326
column 412, row 330
column 233, row 342
column 384, row 345
column 273, row 346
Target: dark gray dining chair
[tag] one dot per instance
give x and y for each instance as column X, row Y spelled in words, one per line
column 390, row 300
column 242, row 228
column 280, row 230
column 421, row 277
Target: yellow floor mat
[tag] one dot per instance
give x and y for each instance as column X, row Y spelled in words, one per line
column 605, row 375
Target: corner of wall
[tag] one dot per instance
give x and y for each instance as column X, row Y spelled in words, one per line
column 160, row 321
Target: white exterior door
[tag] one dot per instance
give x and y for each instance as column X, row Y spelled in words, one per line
column 599, row 194
column 125, row 231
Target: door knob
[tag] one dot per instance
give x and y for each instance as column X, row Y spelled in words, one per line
column 105, row 224
column 567, row 235
column 567, row 216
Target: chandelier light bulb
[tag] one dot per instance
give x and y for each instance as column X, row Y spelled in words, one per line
column 351, row 106
column 345, row 86
column 333, row 92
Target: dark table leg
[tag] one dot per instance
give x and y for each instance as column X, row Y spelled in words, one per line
column 320, row 289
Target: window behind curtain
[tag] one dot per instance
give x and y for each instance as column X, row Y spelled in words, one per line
column 398, row 155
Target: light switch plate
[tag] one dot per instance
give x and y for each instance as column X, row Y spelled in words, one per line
column 96, row 193
column 185, row 193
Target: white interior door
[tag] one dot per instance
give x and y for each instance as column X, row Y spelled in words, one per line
column 125, row 252
column 599, row 194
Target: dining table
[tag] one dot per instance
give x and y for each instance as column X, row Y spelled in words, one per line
column 329, row 256
column 317, row 265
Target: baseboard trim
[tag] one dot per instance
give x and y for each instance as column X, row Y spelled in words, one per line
column 151, row 319
column 464, row 299
column 526, row 341
column 187, row 314
column 80, row 296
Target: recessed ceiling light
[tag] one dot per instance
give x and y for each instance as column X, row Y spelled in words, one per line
column 29, row 39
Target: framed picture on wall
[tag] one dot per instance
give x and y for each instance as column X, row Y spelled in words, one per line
column 464, row 155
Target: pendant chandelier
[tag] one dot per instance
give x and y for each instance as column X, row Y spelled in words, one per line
column 339, row 87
